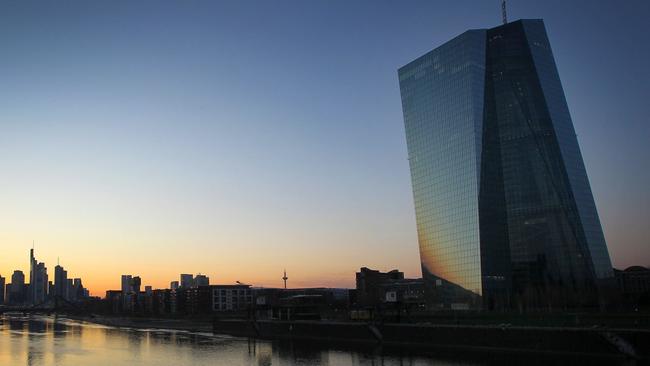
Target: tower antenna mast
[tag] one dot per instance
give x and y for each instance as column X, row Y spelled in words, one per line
column 503, row 12
column 285, row 278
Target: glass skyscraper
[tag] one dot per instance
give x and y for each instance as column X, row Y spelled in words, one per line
column 505, row 214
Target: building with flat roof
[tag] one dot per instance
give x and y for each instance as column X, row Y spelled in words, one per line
column 187, row 280
column 634, row 286
column 201, row 280
column 16, row 291
column 231, row 297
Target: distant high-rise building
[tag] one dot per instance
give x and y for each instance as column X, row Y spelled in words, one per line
column 201, row 280
column 16, row 293
column 173, row 285
column 79, row 290
column 2, row 290
column 69, row 290
column 136, row 282
column 186, row 280
column 18, row 280
column 37, row 280
column 60, row 282
column 505, row 214
column 127, row 292
column 126, row 284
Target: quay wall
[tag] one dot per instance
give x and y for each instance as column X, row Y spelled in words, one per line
column 632, row 343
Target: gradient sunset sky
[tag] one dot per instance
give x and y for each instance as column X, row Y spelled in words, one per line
column 239, row 138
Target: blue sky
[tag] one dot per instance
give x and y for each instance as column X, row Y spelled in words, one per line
column 238, row 138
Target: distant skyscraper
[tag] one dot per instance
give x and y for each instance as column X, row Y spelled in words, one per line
column 60, row 282
column 2, row 290
column 37, row 280
column 79, row 291
column 69, row 293
column 505, row 213
column 173, row 285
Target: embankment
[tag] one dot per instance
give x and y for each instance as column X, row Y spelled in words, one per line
column 631, row 343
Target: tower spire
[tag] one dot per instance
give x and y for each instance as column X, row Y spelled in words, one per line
column 503, row 12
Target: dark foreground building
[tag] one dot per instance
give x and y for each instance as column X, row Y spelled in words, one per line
column 634, row 286
column 505, row 213
column 375, row 289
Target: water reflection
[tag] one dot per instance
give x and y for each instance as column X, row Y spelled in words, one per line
column 48, row 341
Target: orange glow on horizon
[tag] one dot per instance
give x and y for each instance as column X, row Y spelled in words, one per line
column 101, row 270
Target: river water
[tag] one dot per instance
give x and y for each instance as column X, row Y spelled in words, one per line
column 49, row 341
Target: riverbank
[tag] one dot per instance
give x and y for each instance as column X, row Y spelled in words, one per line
column 27, row 339
column 632, row 343
column 189, row 325
column 606, row 342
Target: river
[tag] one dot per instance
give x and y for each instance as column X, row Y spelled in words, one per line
column 48, row 341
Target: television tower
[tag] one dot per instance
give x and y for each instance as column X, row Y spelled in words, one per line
column 285, row 278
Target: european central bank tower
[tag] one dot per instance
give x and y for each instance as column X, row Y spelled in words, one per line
column 505, row 214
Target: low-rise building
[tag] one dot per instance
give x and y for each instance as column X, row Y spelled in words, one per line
column 301, row 303
column 634, row 285
column 114, row 303
column 382, row 289
column 198, row 300
column 231, row 297
column 161, row 302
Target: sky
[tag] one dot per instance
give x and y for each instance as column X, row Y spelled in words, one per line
column 240, row 138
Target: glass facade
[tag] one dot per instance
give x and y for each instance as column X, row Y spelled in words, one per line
column 442, row 100
column 505, row 215
column 568, row 144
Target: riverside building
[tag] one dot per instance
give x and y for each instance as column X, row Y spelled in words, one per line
column 505, row 213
